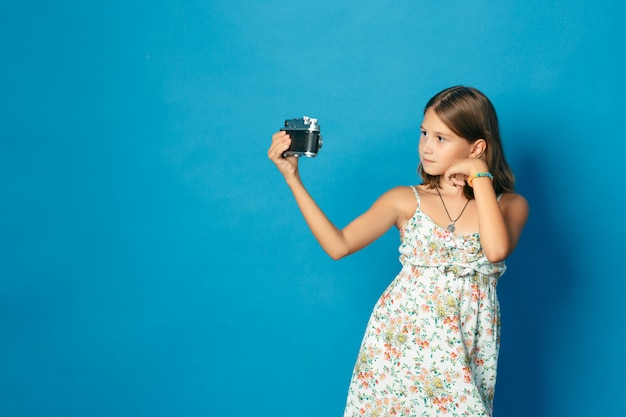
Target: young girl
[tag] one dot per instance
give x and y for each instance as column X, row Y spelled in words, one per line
column 431, row 344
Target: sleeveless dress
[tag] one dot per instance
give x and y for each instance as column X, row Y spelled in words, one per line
column 431, row 344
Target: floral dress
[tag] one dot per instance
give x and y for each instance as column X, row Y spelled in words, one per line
column 431, row 344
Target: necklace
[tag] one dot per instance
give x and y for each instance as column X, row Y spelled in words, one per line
column 452, row 225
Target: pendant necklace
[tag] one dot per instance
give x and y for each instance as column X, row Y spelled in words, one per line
column 452, row 225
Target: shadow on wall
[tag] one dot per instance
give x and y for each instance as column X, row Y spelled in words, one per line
column 538, row 269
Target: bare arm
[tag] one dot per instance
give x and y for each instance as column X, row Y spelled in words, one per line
column 500, row 223
column 337, row 243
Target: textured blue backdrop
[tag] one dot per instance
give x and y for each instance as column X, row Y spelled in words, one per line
column 152, row 262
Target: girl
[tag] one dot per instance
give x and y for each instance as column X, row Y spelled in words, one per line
column 431, row 344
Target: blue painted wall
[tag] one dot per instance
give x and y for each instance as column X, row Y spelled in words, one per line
column 152, row 262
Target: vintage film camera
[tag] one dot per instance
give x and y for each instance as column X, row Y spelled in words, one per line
column 305, row 137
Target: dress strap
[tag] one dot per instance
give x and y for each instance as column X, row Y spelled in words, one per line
column 417, row 195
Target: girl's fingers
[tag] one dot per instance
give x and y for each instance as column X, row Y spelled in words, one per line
column 280, row 143
column 456, row 180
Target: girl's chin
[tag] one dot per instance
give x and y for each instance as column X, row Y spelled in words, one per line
column 431, row 172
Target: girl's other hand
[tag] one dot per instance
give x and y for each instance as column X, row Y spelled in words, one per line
column 461, row 169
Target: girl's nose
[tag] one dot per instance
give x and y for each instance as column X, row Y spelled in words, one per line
column 425, row 144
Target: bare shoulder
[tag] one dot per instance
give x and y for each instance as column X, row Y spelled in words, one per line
column 402, row 199
column 400, row 195
column 515, row 204
column 512, row 199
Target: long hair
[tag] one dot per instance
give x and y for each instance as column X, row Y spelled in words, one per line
column 472, row 116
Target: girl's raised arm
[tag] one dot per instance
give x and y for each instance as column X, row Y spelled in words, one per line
column 337, row 243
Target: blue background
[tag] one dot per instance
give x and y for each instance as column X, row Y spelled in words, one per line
column 153, row 263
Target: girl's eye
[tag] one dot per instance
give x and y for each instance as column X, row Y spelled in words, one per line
column 441, row 139
column 422, row 133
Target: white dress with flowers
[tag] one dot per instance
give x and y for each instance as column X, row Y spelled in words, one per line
column 431, row 344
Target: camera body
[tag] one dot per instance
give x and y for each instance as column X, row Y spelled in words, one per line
column 306, row 139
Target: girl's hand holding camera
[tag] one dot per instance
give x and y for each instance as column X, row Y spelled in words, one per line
column 288, row 166
column 300, row 137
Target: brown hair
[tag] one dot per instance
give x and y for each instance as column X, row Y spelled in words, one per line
column 472, row 116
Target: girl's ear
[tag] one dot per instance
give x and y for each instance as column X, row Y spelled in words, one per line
column 478, row 148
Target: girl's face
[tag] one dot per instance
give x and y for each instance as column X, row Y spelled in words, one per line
column 439, row 147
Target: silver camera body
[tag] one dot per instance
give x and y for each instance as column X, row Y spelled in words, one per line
column 306, row 139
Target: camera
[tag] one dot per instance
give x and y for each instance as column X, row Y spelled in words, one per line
column 306, row 139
